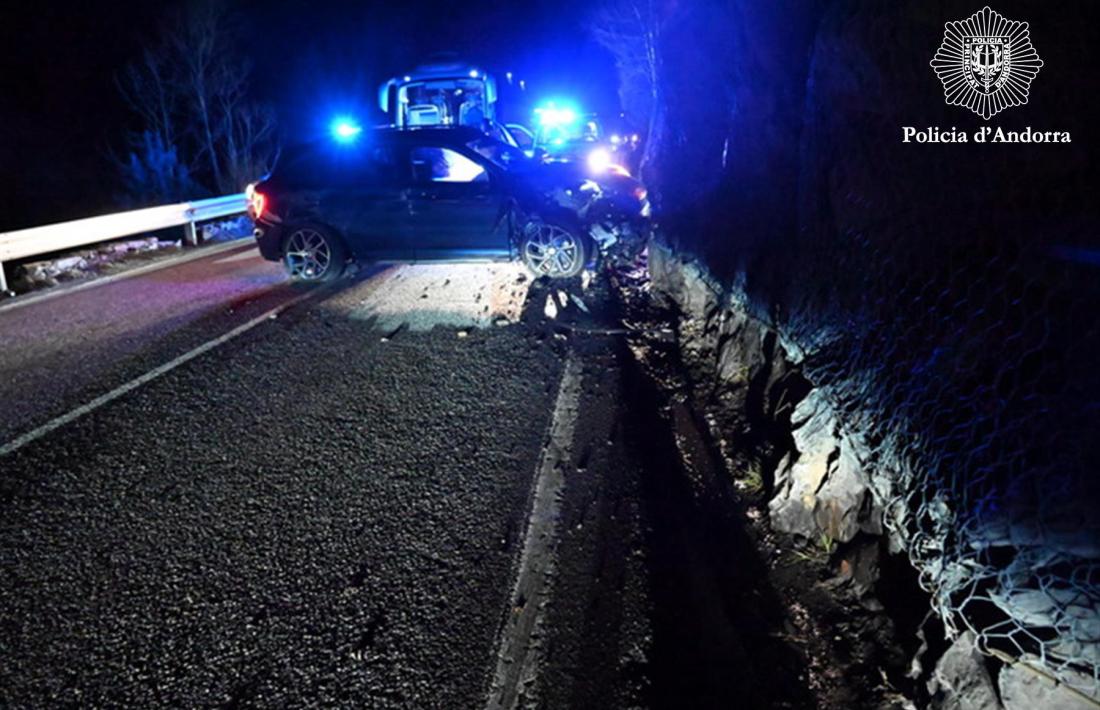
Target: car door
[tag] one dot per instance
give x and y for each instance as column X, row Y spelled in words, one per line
column 368, row 205
column 455, row 207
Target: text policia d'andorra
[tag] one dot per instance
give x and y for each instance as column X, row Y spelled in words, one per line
column 986, row 134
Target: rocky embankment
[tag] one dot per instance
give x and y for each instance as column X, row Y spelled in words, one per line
column 827, row 487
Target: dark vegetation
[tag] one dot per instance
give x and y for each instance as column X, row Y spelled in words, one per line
column 200, row 132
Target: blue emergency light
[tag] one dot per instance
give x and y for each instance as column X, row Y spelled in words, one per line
column 550, row 115
column 345, row 129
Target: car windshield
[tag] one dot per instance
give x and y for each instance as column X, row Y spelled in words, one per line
column 500, row 154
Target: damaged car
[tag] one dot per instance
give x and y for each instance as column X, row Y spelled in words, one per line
column 439, row 194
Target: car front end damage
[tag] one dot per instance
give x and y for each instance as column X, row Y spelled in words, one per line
column 613, row 212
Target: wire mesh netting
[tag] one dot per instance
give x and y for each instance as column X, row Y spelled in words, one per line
column 946, row 296
column 968, row 371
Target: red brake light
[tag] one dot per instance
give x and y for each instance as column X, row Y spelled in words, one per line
column 256, row 203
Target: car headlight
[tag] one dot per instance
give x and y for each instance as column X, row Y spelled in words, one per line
column 599, row 160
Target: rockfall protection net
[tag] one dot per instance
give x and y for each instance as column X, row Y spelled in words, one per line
column 946, row 296
column 968, row 373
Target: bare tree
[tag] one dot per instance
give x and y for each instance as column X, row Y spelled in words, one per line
column 211, row 76
column 244, row 128
column 146, row 85
column 191, row 90
column 631, row 31
column 151, row 167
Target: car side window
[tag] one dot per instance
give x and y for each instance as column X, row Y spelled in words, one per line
column 435, row 165
column 318, row 169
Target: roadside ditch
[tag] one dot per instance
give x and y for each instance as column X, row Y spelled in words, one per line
column 847, row 615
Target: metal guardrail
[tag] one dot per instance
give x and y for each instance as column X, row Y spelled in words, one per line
column 80, row 232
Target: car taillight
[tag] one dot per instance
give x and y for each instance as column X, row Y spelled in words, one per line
column 256, row 202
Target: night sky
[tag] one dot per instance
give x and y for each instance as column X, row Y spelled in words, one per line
column 62, row 115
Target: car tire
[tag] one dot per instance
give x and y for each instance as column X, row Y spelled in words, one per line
column 313, row 253
column 553, row 249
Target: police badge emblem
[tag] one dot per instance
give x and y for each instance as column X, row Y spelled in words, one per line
column 986, row 63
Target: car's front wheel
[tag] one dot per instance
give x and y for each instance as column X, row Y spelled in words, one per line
column 550, row 249
column 313, row 253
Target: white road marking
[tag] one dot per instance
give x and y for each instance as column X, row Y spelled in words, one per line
column 20, row 301
column 133, row 384
column 517, row 659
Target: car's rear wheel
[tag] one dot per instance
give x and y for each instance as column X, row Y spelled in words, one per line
column 313, row 253
column 552, row 249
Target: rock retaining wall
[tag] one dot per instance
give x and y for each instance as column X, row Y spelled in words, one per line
column 828, row 483
column 906, row 332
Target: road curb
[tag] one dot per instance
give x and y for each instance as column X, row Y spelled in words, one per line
column 517, row 655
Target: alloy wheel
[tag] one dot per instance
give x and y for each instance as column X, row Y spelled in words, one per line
column 308, row 255
column 550, row 250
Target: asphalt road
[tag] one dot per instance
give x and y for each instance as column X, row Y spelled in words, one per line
column 64, row 350
column 328, row 509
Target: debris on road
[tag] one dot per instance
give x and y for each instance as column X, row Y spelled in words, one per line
column 464, row 296
column 551, row 309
